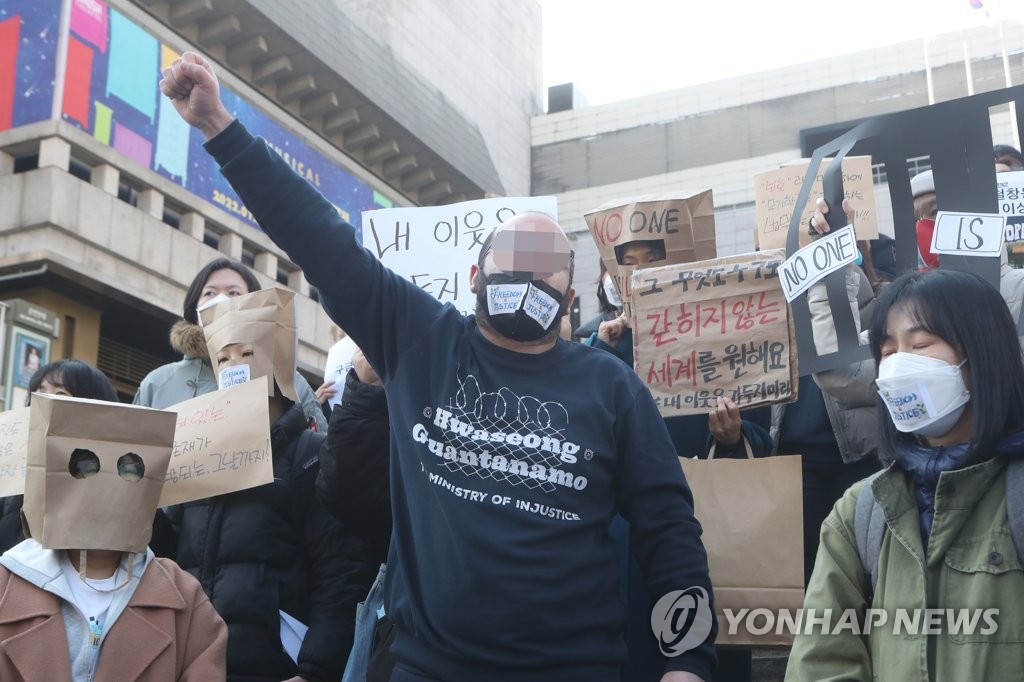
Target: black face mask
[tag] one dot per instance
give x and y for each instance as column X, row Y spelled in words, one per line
column 519, row 323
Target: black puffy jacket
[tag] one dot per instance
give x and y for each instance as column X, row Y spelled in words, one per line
column 353, row 483
column 275, row 548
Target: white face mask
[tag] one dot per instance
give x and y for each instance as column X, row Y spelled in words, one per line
column 610, row 292
column 232, row 376
column 219, row 298
column 925, row 396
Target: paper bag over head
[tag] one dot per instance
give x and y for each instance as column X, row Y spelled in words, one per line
column 262, row 327
column 677, row 228
column 94, row 473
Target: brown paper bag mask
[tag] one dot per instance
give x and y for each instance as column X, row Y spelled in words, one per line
column 679, row 229
column 94, row 473
column 252, row 336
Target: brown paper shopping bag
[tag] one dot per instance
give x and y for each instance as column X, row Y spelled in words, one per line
column 263, row 320
column 752, row 514
column 94, row 473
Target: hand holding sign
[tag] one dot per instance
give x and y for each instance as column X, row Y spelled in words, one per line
column 816, row 260
column 819, row 223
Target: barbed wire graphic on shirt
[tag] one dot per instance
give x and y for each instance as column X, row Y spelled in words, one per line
column 503, row 411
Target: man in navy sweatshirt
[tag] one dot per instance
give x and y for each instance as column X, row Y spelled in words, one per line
column 511, row 449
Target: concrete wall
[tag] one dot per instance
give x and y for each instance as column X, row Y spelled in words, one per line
column 451, row 42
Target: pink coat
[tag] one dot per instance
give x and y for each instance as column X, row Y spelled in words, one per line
column 168, row 631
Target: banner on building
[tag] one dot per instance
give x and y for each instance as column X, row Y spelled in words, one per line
column 112, row 69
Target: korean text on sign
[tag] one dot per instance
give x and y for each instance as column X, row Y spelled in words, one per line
column 712, row 329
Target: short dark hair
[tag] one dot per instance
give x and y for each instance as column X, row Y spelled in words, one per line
column 966, row 312
column 195, row 290
column 657, row 247
column 1001, row 150
column 81, row 380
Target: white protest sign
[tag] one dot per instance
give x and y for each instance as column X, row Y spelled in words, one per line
column 1010, row 193
column 221, row 444
column 435, row 246
column 968, row 234
column 13, row 451
column 339, row 362
column 816, row 260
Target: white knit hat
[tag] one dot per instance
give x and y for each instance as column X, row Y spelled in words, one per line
column 922, row 183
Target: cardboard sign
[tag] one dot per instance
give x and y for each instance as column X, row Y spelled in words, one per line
column 339, row 362
column 968, row 234
column 221, row 444
column 13, row 450
column 264, row 320
column 816, row 260
column 94, row 473
column 776, row 192
column 685, row 226
column 1010, row 194
column 715, row 328
column 435, row 246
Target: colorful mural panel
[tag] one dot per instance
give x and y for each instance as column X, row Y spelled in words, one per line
column 111, row 92
column 29, row 30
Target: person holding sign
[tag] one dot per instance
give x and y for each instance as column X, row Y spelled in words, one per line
column 284, row 575
column 193, row 375
column 84, row 599
column 72, row 378
column 511, row 448
column 941, row 527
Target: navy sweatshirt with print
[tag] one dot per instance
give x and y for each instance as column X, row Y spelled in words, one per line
column 506, row 468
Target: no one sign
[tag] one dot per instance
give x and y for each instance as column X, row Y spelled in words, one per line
column 816, row 260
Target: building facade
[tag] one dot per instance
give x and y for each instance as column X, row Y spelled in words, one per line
column 720, row 135
column 109, row 206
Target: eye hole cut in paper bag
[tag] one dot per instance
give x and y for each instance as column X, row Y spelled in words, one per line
column 711, row 329
column 685, row 226
column 264, row 322
column 94, row 473
column 221, row 444
column 751, row 512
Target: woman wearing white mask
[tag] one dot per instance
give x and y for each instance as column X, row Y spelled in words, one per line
column 921, row 573
column 193, row 375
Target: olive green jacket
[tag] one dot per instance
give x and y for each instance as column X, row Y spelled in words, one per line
column 971, row 562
